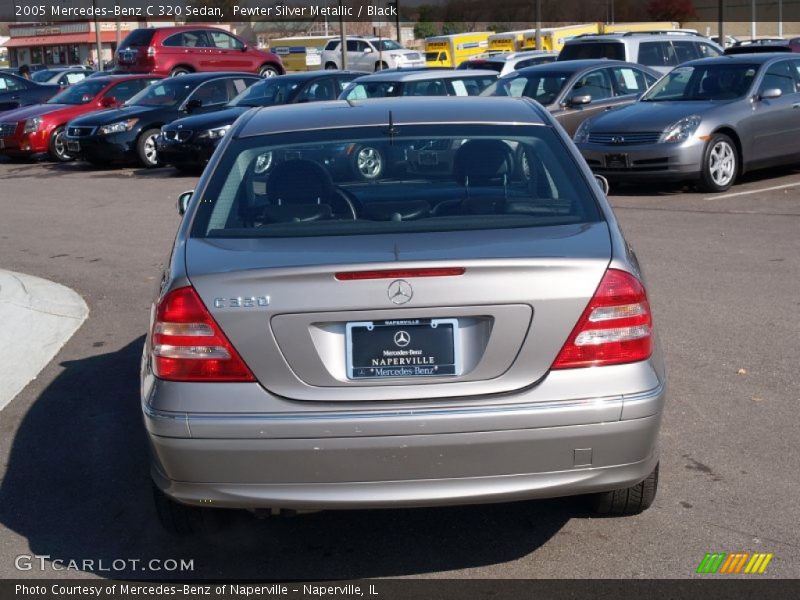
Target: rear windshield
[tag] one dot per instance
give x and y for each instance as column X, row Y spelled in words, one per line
column 442, row 178
column 586, row 50
column 138, row 38
column 44, row 75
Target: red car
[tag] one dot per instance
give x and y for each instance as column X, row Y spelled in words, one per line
column 191, row 49
column 39, row 129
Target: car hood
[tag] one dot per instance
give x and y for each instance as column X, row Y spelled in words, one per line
column 649, row 116
column 209, row 120
column 29, row 112
column 104, row 117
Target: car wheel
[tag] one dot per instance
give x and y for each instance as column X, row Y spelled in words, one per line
column 181, row 519
column 330, row 66
column 58, row 146
column 368, row 163
column 268, row 71
column 177, row 71
column 627, row 501
column 720, row 164
column 380, row 66
column 146, row 148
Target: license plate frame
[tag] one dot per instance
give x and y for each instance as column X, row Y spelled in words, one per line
column 414, row 362
column 73, row 146
column 619, row 160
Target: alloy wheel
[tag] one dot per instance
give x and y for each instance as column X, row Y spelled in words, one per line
column 722, row 163
column 369, row 163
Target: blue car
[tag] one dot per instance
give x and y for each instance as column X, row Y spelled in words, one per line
column 16, row 91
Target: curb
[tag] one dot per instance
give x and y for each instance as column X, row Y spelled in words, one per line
column 38, row 317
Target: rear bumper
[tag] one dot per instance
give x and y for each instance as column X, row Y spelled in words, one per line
column 374, row 459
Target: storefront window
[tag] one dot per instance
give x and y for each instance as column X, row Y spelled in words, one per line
column 37, row 56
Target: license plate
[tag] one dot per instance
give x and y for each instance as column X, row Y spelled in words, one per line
column 73, row 146
column 402, row 348
column 617, row 161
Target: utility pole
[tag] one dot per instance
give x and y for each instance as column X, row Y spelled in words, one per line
column 342, row 37
column 721, row 23
column 538, row 24
column 397, row 20
column 780, row 18
column 752, row 19
column 97, row 38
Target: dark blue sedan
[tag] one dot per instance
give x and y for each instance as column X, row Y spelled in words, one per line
column 16, row 91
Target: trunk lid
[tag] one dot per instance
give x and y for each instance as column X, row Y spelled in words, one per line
column 516, row 303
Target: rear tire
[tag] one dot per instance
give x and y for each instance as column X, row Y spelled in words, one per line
column 268, row 71
column 183, row 520
column 627, row 501
column 178, row 71
column 57, row 147
column 146, row 148
column 380, row 66
column 720, row 166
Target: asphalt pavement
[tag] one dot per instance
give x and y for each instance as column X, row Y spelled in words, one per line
column 723, row 273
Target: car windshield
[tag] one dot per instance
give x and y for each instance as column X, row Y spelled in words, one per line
column 384, row 45
column 703, row 83
column 586, row 50
column 544, row 87
column 44, row 75
column 273, row 91
column 426, row 178
column 168, row 93
column 80, row 93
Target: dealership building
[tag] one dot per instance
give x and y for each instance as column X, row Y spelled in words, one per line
column 64, row 43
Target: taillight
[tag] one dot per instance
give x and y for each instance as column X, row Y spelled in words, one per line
column 151, row 51
column 615, row 328
column 188, row 345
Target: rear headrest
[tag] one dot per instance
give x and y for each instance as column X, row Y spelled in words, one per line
column 299, row 181
column 482, row 162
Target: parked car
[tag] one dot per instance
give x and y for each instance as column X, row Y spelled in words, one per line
column 506, row 62
column 40, row 128
column 370, row 54
column 16, row 91
column 729, row 40
column 61, row 77
column 306, row 325
column 708, row 121
column 130, row 132
column 575, row 90
column 188, row 143
column 437, row 82
column 761, row 41
column 192, row 49
column 660, row 51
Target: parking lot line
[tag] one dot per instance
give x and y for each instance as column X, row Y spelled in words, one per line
column 735, row 194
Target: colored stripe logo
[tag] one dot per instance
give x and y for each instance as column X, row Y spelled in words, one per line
column 735, row 562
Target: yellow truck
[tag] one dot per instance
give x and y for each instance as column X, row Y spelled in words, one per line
column 509, row 41
column 451, row 50
column 300, row 53
column 553, row 38
column 644, row 26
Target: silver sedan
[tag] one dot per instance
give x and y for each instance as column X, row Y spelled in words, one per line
column 707, row 121
column 480, row 335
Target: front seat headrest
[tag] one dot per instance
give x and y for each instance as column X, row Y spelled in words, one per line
column 483, row 162
column 299, row 181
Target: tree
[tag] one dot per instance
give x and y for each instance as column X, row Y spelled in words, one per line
column 671, row 10
column 425, row 26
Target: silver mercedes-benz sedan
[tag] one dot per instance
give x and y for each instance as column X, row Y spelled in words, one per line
column 707, row 121
column 325, row 342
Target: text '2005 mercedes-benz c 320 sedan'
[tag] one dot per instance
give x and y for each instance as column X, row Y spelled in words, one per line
column 324, row 342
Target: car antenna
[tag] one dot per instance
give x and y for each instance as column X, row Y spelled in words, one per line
column 392, row 131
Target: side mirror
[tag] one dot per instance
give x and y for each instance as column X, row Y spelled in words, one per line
column 108, row 102
column 770, row 94
column 579, row 100
column 603, row 183
column 192, row 105
column 183, row 202
column 244, row 48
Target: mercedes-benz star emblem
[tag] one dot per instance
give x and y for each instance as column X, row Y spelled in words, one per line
column 400, row 291
column 402, row 339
